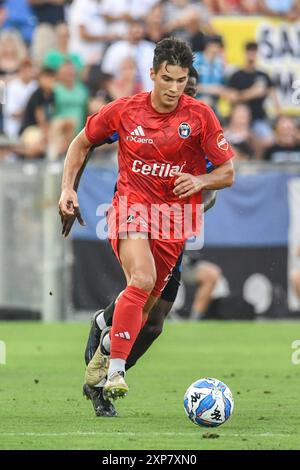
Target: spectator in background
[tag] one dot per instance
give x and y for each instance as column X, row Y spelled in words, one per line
column 126, row 83
column 141, row 9
column 19, row 16
column 48, row 14
column 100, row 97
column 238, row 132
column 40, row 107
column 117, row 18
column 229, row 7
column 205, row 275
column 286, row 148
column 5, row 149
column 71, row 96
column 123, row 12
column 180, row 16
column 252, row 87
column 50, row 119
column 154, row 27
column 18, row 91
column 48, row 11
column 88, row 30
column 250, row 7
column 13, row 51
column 210, row 68
column 137, row 48
column 33, row 144
column 57, row 56
column 196, row 35
column 285, row 9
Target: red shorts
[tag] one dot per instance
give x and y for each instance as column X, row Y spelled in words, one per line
column 165, row 253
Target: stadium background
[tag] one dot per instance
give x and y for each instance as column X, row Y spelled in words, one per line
column 253, row 234
column 253, row 231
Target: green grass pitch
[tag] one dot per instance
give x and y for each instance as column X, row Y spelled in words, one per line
column 41, row 406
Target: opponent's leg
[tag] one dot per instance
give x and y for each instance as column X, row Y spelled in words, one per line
column 96, row 359
column 98, row 364
column 94, row 337
column 150, row 332
column 95, row 374
column 139, row 267
column 102, row 406
column 154, row 325
column 97, row 370
column 103, row 318
column 100, row 320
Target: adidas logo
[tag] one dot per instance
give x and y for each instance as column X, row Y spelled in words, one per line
column 138, row 136
column 138, row 131
column 124, row 335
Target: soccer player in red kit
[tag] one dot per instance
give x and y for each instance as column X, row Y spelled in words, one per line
column 164, row 137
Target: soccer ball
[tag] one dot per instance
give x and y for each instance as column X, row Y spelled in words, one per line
column 208, row 402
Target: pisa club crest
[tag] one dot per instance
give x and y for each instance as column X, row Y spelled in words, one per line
column 222, row 142
column 184, row 130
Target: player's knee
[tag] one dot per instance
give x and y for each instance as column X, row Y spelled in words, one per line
column 209, row 273
column 143, row 280
column 214, row 273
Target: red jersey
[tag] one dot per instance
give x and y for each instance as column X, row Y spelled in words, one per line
column 154, row 147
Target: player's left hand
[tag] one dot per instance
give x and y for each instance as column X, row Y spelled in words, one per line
column 186, row 185
column 69, row 210
column 68, row 221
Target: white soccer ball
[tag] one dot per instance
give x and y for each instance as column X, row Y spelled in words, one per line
column 208, row 402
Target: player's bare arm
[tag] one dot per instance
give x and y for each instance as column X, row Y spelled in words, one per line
column 67, row 222
column 187, row 184
column 75, row 158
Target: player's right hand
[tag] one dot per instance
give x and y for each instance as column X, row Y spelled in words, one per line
column 69, row 210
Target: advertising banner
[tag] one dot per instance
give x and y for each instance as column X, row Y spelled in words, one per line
column 278, row 51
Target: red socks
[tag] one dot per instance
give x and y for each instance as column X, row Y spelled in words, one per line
column 127, row 321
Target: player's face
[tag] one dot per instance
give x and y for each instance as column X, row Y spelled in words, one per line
column 251, row 56
column 169, row 84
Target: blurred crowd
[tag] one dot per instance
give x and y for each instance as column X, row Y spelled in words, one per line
column 62, row 60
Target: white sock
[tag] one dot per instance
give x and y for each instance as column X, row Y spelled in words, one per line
column 100, row 320
column 106, row 343
column 116, row 365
